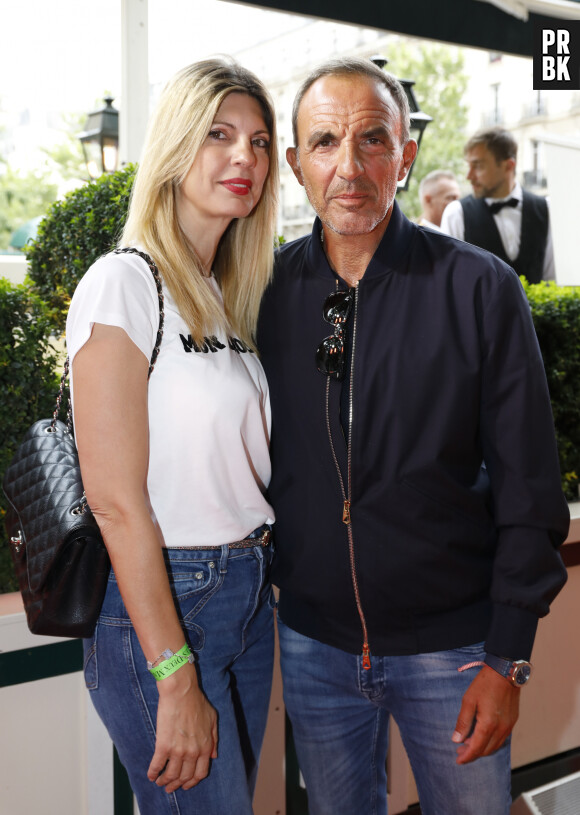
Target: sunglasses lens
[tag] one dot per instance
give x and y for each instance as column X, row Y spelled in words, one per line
column 337, row 307
column 330, row 357
column 330, row 354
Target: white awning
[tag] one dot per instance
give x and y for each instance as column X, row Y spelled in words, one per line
column 564, row 9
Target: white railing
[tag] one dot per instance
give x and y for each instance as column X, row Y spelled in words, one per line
column 13, row 267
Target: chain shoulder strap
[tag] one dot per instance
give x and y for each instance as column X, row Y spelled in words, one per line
column 65, row 371
column 157, row 278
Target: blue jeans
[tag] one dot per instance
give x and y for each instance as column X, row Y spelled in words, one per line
column 225, row 603
column 339, row 714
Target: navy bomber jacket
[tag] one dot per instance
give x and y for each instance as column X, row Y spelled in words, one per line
column 447, row 375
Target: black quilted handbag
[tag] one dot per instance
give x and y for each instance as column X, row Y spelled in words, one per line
column 61, row 562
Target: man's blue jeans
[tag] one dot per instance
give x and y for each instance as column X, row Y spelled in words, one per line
column 225, row 603
column 339, row 714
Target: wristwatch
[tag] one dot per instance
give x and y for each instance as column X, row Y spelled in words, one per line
column 517, row 671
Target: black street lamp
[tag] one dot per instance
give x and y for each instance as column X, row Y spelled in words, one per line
column 419, row 119
column 100, row 140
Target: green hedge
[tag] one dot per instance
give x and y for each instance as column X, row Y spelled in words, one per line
column 28, row 383
column 76, row 231
column 556, row 315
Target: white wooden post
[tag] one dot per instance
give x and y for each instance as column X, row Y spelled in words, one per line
column 134, row 106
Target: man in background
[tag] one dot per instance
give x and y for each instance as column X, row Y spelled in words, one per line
column 500, row 216
column 437, row 189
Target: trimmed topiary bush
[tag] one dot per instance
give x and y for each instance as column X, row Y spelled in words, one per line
column 28, row 384
column 75, row 232
column 556, row 315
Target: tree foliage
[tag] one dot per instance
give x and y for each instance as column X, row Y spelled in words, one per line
column 440, row 86
column 66, row 159
column 23, row 196
column 26, row 195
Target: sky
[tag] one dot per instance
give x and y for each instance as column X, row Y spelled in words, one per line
column 64, row 54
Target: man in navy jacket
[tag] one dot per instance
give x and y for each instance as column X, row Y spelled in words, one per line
column 415, row 480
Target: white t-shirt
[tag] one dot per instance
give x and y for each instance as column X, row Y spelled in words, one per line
column 209, row 409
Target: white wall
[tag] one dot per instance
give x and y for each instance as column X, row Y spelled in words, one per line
column 13, row 267
column 563, row 164
column 44, row 745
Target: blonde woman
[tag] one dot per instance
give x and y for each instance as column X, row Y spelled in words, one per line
column 175, row 468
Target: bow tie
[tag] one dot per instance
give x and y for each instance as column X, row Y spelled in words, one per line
column 499, row 205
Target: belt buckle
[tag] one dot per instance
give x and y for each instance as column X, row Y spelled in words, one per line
column 265, row 537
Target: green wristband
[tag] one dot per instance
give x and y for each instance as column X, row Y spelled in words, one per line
column 173, row 663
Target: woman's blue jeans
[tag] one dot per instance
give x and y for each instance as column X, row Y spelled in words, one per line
column 225, row 603
column 339, row 714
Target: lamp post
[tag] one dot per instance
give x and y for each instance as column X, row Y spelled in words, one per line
column 419, row 119
column 100, row 140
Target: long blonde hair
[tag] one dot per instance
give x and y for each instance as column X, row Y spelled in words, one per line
column 244, row 259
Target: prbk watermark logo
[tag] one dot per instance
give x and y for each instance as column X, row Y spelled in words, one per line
column 557, row 55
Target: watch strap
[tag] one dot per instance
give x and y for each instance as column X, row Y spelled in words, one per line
column 515, row 671
column 499, row 664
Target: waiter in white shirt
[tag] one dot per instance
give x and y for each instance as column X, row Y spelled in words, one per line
column 500, row 216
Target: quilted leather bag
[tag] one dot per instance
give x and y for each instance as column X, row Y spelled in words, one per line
column 61, row 562
column 59, row 556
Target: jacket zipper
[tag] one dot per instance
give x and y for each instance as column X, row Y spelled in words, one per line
column 346, row 494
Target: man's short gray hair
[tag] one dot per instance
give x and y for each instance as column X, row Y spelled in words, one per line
column 430, row 180
column 355, row 66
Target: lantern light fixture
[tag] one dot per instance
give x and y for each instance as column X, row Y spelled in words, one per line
column 100, row 140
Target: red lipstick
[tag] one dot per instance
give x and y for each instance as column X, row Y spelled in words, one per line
column 239, row 186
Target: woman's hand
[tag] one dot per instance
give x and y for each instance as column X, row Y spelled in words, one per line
column 187, row 734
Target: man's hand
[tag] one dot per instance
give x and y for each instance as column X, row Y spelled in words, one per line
column 488, row 714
